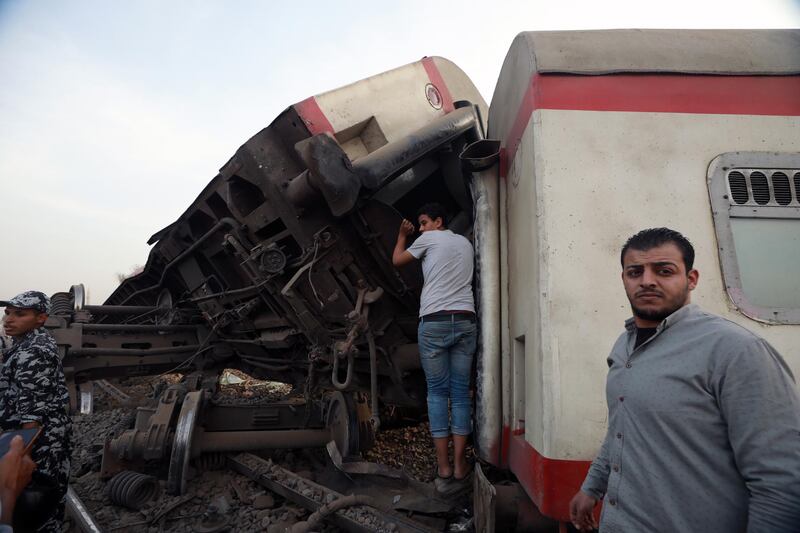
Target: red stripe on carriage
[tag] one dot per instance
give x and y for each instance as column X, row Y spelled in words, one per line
column 313, row 117
column 656, row 93
column 438, row 81
column 550, row 483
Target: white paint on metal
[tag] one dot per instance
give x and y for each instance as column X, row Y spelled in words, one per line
column 742, row 52
column 403, row 106
column 488, row 407
column 581, row 183
column 507, row 415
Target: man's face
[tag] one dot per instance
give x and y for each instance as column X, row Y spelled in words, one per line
column 656, row 283
column 427, row 224
column 18, row 321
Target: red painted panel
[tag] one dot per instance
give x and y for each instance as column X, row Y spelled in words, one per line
column 503, row 162
column 438, row 81
column 505, row 439
column 550, row 483
column 667, row 93
column 528, row 105
column 313, row 117
column 662, row 93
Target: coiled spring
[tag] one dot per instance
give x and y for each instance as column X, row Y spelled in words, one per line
column 61, row 304
column 132, row 489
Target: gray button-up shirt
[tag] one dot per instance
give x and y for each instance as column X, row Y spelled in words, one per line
column 703, row 433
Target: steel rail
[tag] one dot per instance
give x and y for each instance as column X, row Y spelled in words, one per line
column 288, row 484
column 78, row 511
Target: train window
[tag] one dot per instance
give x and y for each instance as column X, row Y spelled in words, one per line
column 755, row 200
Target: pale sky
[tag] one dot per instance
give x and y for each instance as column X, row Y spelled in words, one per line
column 115, row 115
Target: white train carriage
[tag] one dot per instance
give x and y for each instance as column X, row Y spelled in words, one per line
column 605, row 133
column 378, row 110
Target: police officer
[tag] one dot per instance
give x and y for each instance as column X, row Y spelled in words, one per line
column 33, row 393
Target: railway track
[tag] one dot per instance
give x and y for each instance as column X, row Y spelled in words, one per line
column 245, row 492
column 357, row 513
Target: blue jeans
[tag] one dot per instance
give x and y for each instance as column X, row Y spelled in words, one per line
column 445, row 351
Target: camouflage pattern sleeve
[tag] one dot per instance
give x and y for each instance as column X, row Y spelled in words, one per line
column 36, row 377
column 5, row 343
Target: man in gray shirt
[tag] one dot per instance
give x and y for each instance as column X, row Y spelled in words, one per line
column 447, row 336
column 704, row 416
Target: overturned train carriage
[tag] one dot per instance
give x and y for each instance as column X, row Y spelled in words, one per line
column 282, row 265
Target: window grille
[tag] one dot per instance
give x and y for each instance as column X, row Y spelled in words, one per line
column 755, row 200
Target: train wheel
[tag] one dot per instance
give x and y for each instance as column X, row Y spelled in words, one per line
column 181, row 447
column 342, row 419
column 366, row 429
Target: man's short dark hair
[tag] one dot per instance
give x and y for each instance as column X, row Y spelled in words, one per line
column 433, row 210
column 653, row 237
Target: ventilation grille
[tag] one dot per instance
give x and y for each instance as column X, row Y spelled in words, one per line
column 756, row 187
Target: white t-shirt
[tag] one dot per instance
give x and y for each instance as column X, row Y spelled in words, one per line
column 447, row 266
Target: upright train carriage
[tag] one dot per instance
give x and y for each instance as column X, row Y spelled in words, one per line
column 605, row 133
column 282, row 265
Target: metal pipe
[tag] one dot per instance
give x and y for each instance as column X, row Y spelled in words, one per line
column 507, row 371
column 226, row 221
column 137, row 327
column 332, row 176
column 373, row 381
column 323, row 512
column 134, row 351
column 285, row 483
column 77, row 510
column 478, row 133
column 378, row 168
column 119, row 309
column 240, row 441
column 302, row 191
column 231, row 292
column 482, row 157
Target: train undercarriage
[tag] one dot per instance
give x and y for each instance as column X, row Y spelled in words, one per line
column 281, row 269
